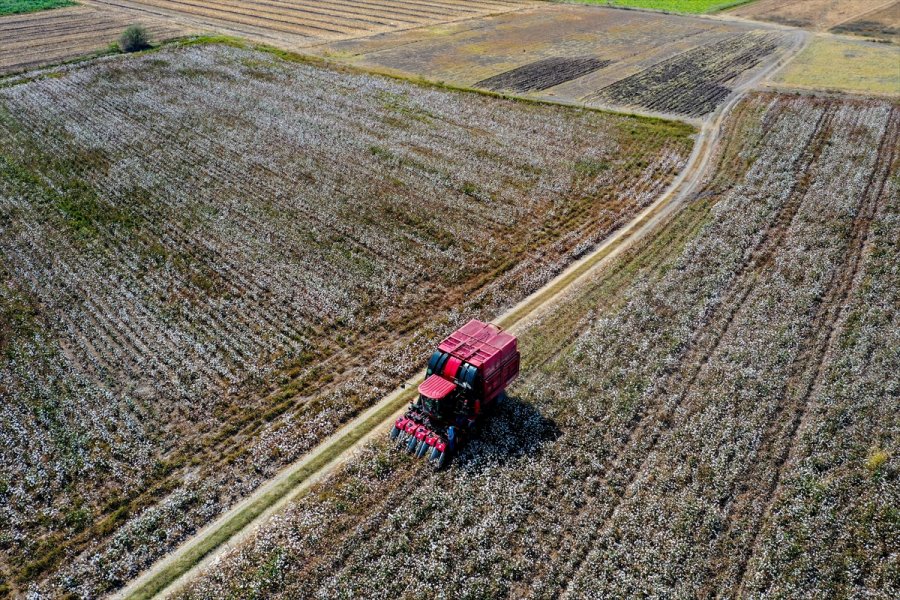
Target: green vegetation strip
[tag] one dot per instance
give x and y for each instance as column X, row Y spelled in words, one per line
column 681, row 6
column 15, row 7
column 242, row 518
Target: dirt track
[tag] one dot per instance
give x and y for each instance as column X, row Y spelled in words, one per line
column 238, row 524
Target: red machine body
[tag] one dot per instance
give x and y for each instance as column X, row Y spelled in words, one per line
column 465, row 377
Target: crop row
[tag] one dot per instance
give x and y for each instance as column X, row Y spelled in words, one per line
column 46, row 37
column 216, row 257
column 695, row 82
column 730, row 400
column 543, row 74
column 311, row 20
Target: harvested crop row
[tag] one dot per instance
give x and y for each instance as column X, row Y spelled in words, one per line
column 543, row 74
column 189, row 230
column 586, row 55
column 641, row 460
column 307, row 20
column 695, row 82
column 31, row 40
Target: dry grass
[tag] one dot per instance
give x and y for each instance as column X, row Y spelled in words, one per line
column 845, row 66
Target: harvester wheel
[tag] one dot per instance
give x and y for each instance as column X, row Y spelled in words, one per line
column 394, row 432
column 411, row 444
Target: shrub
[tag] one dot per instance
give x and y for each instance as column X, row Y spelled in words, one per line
column 134, row 38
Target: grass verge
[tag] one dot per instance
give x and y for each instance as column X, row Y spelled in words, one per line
column 15, row 7
column 680, row 6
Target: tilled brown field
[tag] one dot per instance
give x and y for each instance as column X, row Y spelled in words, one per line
column 715, row 416
column 51, row 36
column 210, row 258
column 294, row 23
column 642, row 61
column 872, row 18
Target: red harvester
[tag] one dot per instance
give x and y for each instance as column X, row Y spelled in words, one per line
column 465, row 377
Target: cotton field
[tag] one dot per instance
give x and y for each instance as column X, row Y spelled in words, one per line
column 724, row 424
column 212, row 257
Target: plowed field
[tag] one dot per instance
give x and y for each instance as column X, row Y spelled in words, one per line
column 212, row 257
column 642, row 61
column 294, row 23
column 714, row 416
column 51, row 36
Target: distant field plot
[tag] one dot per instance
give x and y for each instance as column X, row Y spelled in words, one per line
column 212, row 257
column 295, row 23
column 882, row 25
column 12, row 7
column 846, row 66
column 636, row 60
column 875, row 18
column 543, row 74
column 715, row 413
column 683, row 6
column 41, row 38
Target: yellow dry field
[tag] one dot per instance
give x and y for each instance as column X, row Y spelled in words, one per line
column 52, row 36
column 293, row 24
column 844, row 65
column 877, row 18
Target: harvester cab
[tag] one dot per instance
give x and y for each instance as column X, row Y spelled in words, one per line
column 465, row 378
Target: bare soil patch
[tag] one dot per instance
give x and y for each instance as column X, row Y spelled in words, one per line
column 543, row 74
column 881, row 25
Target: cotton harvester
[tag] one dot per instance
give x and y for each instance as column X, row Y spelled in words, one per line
column 466, row 375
